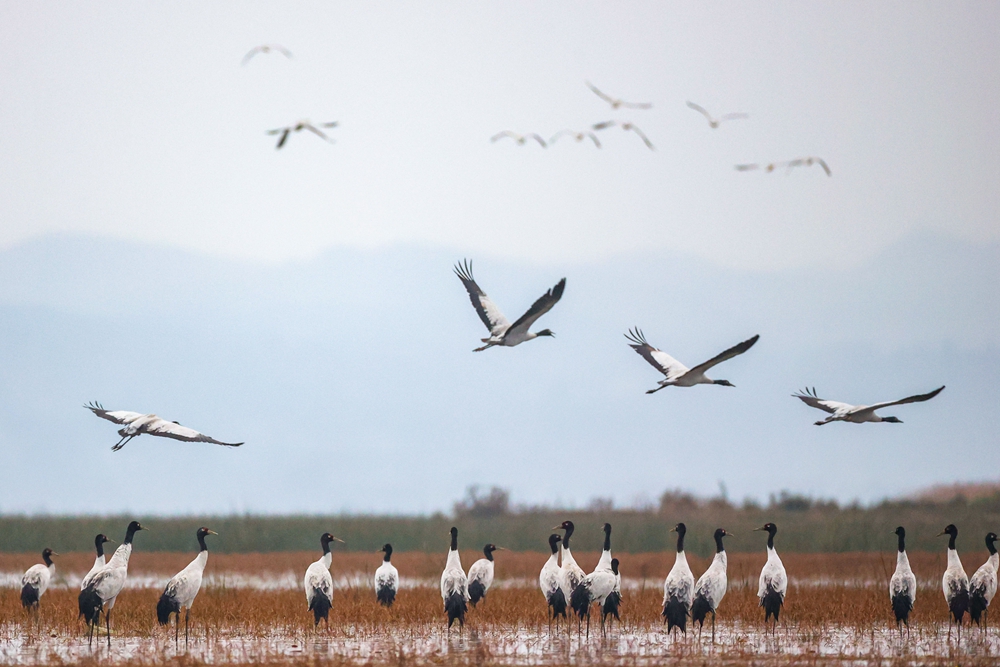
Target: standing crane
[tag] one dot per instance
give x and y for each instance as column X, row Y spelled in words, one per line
column 902, row 585
column 711, row 586
column 454, row 584
column 550, row 581
column 182, row 589
column 386, row 578
column 481, row 574
column 773, row 581
column 318, row 583
column 983, row 584
column 678, row 587
column 955, row 583
column 103, row 588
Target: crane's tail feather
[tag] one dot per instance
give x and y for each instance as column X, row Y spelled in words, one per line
column 166, row 606
column 456, row 607
column 558, row 603
column 579, row 601
column 700, row 609
column 675, row 612
column 320, row 606
column 90, row 605
column 476, row 592
column 385, row 595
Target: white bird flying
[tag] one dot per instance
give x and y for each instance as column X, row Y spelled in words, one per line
column 36, row 580
column 135, row 424
column 902, row 585
column 857, row 414
column 577, row 136
column 481, row 574
column 386, row 578
column 627, row 126
column 712, row 121
column 182, row 589
column 318, row 583
column 617, row 103
column 454, row 584
column 955, row 583
column 677, row 374
column 571, row 574
column 773, row 582
column 99, row 562
column 788, row 164
column 521, row 139
column 550, row 581
column 711, row 586
column 983, row 584
column 266, row 48
column 596, row 586
column 678, row 587
column 501, row 331
column 298, row 127
column 104, row 587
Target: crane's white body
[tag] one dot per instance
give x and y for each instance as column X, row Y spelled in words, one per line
column 713, row 583
column 482, row 571
column 318, row 580
column 600, row 583
column 985, row 578
column 679, row 582
column 955, row 581
column 135, row 424
column 903, row 581
column 99, row 564
column 571, row 573
column 550, row 578
column 184, row 585
column 109, row 581
column 454, row 579
column 38, row 576
column 387, row 577
column 856, row 414
column 677, row 374
column 772, row 576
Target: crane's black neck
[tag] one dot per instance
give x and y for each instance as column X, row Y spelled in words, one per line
column 554, row 543
column 989, row 544
column 488, row 553
column 129, row 534
column 47, row 558
column 951, row 540
column 388, row 553
column 681, row 529
column 718, row 542
column 99, row 545
column 614, row 565
column 454, row 539
column 569, row 533
column 902, row 542
column 201, row 541
column 325, row 541
column 607, row 537
column 771, row 531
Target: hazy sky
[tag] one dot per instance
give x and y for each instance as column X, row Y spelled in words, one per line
column 137, row 121
column 157, row 253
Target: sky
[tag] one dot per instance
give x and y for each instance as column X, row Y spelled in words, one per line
column 158, row 253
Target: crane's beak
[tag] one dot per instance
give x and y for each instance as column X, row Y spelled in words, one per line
column 340, row 540
column 556, row 528
column 108, row 539
column 940, row 534
column 673, row 530
column 502, row 549
column 756, row 529
column 212, row 532
column 54, row 554
column 728, row 534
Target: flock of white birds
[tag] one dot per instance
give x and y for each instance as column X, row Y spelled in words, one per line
column 565, row 586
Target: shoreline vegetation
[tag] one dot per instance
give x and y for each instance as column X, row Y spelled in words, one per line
column 806, row 525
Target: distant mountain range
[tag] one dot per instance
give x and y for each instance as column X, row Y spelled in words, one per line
column 351, row 378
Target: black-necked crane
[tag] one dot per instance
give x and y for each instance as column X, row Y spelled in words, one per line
column 615, row 102
column 182, row 589
column 714, row 122
column 773, row 584
column 577, row 136
column 596, row 586
column 454, row 584
column 902, row 585
column 502, row 332
column 983, row 584
column 857, row 414
column 318, row 583
column 678, row 587
column 481, row 574
column 788, row 164
column 677, row 374
column 612, row 603
column 521, row 139
column 36, row 580
column 266, row 48
column 627, row 126
column 135, row 424
column 550, row 581
column 955, row 583
column 104, row 587
column 298, row 127
column 711, row 586
column 99, row 561
column 386, row 578
column 571, row 573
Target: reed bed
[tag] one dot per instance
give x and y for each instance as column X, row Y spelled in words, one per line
column 836, row 606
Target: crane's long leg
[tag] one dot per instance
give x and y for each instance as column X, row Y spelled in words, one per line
column 107, row 620
column 187, row 613
column 177, row 629
column 121, row 443
column 713, row 627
